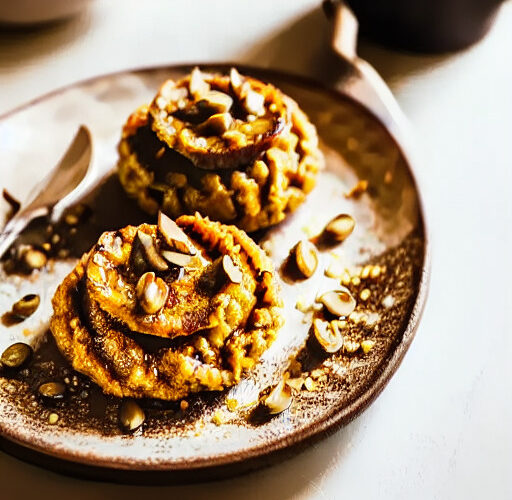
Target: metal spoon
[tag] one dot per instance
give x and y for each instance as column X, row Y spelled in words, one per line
column 66, row 182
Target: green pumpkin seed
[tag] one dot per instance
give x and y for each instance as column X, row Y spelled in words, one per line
column 16, row 355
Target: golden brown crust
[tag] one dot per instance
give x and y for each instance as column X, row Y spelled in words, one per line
column 128, row 363
column 177, row 118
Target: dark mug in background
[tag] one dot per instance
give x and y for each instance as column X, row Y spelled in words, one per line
column 425, row 25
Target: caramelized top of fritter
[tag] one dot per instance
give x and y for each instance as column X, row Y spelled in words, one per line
column 218, row 121
column 172, row 293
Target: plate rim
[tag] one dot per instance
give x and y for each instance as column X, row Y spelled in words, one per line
column 233, row 463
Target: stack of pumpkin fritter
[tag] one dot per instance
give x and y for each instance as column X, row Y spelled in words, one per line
column 164, row 311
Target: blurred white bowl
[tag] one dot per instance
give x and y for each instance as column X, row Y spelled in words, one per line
column 38, row 11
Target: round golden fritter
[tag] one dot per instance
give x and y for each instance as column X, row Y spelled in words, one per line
column 218, row 318
column 275, row 168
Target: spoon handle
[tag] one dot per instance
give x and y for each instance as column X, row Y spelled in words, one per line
column 16, row 225
column 57, row 190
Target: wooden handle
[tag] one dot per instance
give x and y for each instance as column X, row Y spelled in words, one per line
column 345, row 28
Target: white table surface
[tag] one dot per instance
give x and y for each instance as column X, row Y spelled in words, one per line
column 443, row 426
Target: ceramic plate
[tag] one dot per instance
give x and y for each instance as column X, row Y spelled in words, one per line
column 209, row 439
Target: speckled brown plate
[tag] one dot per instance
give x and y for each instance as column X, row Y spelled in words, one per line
column 178, row 445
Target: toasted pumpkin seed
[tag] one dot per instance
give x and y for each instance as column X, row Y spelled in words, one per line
column 144, row 254
column 232, row 271
column 295, row 383
column 131, row 415
column 279, row 398
column 328, row 335
column 16, row 355
column 174, row 235
column 52, row 390
column 306, row 257
column 254, row 103
column 365, row 272
column 197, row 85
column 375, row 272
column 338, row 302
column 235, row 78
column 216, row 102
column 26, row 306
column 340, row 227
column 217, row 124
column 176, row 258
column 152, row 292
column 219, row 417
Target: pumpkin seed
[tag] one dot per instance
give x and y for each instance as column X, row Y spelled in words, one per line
column 174, row 235
column 328, row 335
column 131, row 415
column 340, row 228
column 351, row 346
column 197, row 85
column 338, row 302
column 152, row 292
column 144, row 254
column 306, row 258
column 279, row 398
column 16, row 355
column 52, row 390
column 26, row 306
column 367, row 345
column 178, row 259
column 232, row 271
column 53, row 418
column 217, row 124
column 216, row 101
